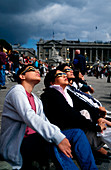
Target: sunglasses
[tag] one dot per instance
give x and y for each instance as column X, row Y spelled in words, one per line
column 29, row 68
column 60, row 75
column 67, row 70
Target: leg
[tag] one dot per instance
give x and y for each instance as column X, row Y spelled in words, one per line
column 34, row 148
column 95, row 141
column 81, row 147
column 2, row 76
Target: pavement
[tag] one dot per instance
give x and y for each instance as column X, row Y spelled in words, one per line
column 102, row 93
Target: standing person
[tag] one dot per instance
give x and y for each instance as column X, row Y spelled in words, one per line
column 97, row 71
column 35, row 62
column 15, row 63
column 2, row 68
column 26, row 131
column 80, row 62
column 109, row 72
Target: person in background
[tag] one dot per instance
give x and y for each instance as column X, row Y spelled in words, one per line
column 109, row 72
column 15, row 63
column 35, row 62
column 79, row 62
column 2, row 68
column 80, row 82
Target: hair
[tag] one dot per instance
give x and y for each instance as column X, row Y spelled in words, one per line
column 61, row 67
column 1, row 48
column 50, row 77
column 19, row 72
column 76, row 72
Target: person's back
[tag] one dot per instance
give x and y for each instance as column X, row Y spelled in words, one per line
column 79, row 62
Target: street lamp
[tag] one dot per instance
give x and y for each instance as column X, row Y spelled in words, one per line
column 68, row 59
column 67, row 53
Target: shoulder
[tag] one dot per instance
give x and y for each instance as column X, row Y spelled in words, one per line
column 18, row 89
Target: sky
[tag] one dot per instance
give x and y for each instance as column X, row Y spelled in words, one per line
column 27, row 21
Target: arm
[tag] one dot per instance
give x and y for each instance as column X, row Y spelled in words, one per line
column 102, row 120
column 82, row 103
column 17, row 100
column 62, row 114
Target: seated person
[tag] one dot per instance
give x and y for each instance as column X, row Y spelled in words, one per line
column 27, row 134
column 80, row 83
column 87, row 102
column 81, row 96
column 62, row 110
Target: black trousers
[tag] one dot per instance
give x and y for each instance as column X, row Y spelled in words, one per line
column 35, row 148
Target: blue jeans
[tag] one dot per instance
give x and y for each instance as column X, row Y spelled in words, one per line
column 2, row 75
column 81, row 148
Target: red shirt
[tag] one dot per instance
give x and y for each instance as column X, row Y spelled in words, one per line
column 28, row 130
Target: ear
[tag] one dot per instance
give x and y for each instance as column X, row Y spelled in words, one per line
column 22, row 77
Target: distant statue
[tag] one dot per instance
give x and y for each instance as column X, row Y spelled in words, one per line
column 54, row 51
column 55, row 58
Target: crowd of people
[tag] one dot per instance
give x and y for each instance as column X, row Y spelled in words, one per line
column 100, row 71
column 65, row 123
column 12, row 61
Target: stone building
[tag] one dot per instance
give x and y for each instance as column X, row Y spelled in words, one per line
column 93, row 51
column 26, row 51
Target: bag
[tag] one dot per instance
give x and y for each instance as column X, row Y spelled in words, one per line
column 76, row 61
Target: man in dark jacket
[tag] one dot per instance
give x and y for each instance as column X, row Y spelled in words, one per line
column 80, row 62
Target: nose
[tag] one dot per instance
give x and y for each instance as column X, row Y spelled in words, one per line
column 64, row 76
column 37, row 71
column 71, row 71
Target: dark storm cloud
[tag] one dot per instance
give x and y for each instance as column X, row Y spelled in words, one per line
column 24, row 19
column 25, row 6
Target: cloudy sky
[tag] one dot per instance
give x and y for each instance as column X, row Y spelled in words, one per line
column 26, row 21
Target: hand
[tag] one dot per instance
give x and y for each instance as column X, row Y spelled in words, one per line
column 102, row 124
column 65, row 147
column 91, row 90
column 102, row 111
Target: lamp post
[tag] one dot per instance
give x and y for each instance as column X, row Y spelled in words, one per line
column 68, row 59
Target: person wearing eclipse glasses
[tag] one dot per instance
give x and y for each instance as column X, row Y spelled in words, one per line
column 63, row 110
column 27, row 135
column 94, row 110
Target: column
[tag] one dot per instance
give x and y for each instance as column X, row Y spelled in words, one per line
column 43, row 54
column 102, row 55
column 73, row 54
column 96, row 54
column 90, row 57
column 65, row 53
column 50, row 53
column 107, row 59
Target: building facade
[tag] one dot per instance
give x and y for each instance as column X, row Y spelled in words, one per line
column 93, row 51
column 26, row 51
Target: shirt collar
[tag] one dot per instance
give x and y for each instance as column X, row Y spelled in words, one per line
column 58, row 87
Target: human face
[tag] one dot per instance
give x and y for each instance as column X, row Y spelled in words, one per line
column 61, row 79
column 27, row 69
column 69, row 72
column 31, row 75
column 81, row 76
